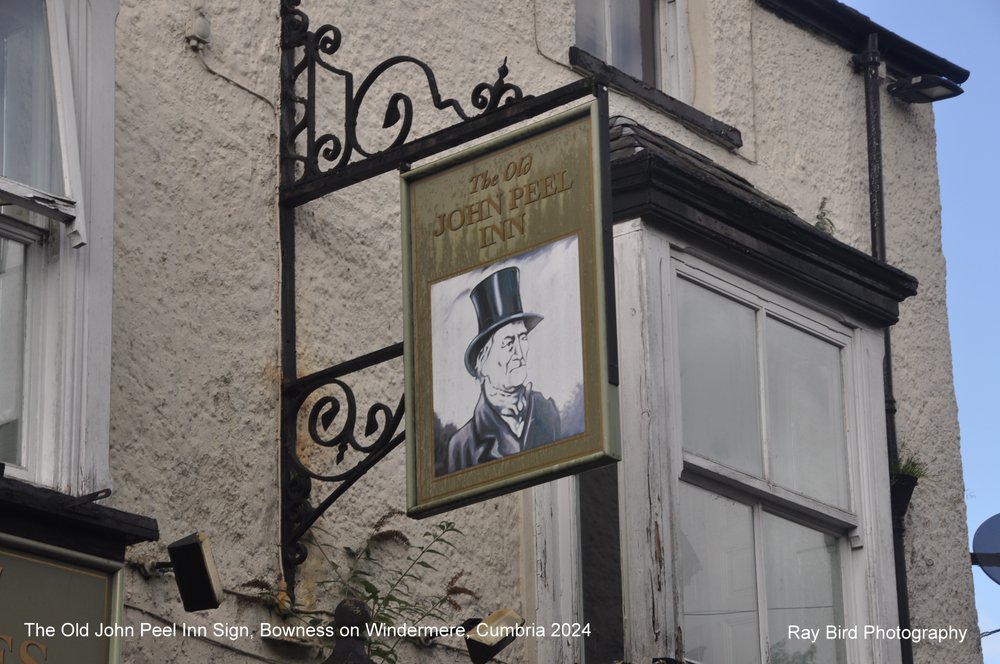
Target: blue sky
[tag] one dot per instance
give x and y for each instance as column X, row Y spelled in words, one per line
column 968, row 139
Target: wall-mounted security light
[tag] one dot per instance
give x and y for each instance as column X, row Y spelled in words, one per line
column 486, row 638
column 194, row 571
column 924, row 89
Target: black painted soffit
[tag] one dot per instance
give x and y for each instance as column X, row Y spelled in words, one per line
column 668, row 184
column 50, row 517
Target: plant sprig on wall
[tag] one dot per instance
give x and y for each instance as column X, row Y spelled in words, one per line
column 392, row 585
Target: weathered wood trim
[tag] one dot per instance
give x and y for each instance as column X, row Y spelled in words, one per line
column 876, row 589
column 46, row 516
column 35, row 200
column 648, row 563
column 696, row 200
column 697, row 121
column 718, row 478
column 556, row 567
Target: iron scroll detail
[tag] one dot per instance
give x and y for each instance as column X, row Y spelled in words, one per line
column 315, row 154
column 331, row 420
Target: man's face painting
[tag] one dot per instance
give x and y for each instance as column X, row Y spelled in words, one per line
column 506, row 363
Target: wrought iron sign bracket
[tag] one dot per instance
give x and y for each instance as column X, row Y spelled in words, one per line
column 316, row 162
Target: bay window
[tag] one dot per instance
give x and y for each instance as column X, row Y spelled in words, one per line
column 751, row 502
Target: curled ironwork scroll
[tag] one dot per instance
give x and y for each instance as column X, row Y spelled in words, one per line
column 330, row 409
column 317, row 153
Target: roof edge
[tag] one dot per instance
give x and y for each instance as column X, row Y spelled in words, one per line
column 667, row 184
column 850, row 28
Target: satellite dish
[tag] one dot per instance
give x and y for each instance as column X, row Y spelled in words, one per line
column 986, row 547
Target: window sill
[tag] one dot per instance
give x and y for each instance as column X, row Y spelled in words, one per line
column 701, row 123
column 49, row 517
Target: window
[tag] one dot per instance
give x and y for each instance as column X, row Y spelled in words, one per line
column 30, row 156
column 11, row 347
column 762, row 390
column 29, row 129
column 751, row 496
column 623, row 34
column 646, row 39
column 764, row 500
column 56, row 184
column 748, row 575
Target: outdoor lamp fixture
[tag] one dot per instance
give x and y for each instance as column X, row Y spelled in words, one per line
column 485, row 643
column 194, row 571
column 924, row 89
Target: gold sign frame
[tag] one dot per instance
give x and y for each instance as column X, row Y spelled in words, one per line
column 506, row 318
column 50, row 602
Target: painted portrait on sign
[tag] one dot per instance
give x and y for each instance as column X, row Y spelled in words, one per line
column 507, row 357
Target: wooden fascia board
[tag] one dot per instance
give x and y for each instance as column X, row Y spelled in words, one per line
column 690, row 201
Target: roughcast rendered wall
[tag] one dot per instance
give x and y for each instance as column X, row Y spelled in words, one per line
column 195, row 375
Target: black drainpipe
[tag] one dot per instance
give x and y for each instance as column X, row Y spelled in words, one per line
column 868, row 61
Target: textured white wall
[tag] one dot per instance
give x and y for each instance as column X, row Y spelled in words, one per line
column 195, row 378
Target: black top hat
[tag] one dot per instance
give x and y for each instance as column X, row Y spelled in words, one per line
column 497, row 300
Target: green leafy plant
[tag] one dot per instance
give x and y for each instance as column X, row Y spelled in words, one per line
column 392, row 582
column 909, row 465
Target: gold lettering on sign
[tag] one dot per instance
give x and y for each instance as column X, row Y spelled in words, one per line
column 502, row 231
column 26, row 657
column 469, row 215
column 550, row 185
column 503, row 200
column 24, row 652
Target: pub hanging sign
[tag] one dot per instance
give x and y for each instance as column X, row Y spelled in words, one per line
column 506, row 351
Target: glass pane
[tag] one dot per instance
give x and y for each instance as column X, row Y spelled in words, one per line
column 11, row 346
column 805, row 411
column 802, row 572
column 633, row 38
column 720, row 410
column 626, row 33
column 591, row 27
column 719, row 577
column 29, row 134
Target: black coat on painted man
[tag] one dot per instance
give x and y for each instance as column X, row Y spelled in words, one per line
column 486, row 436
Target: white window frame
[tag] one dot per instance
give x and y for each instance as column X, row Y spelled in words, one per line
column 673, row 64
column 768, row 305
column 67, row 356
column 653, row 464
column 676, row 67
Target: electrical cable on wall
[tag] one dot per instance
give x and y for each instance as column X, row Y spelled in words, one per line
column 198, row 38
